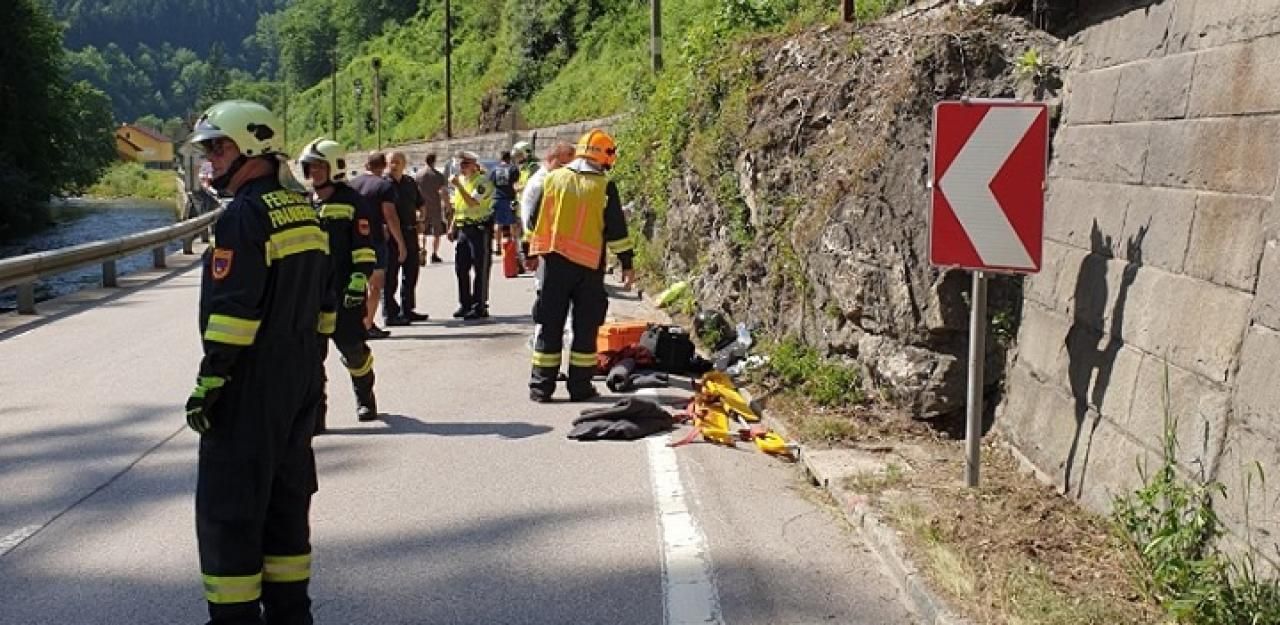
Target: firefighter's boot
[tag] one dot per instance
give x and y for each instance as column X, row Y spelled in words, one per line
column 366, row 402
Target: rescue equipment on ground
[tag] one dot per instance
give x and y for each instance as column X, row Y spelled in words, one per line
column 510, row 258
column 721, row 415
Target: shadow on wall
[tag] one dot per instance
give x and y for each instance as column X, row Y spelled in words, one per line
column 1068, row 17
column 1090, row 366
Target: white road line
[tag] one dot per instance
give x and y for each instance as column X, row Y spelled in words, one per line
column 15, row 538
column 687, row 586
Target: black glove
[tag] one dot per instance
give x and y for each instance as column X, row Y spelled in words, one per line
column 200, row 403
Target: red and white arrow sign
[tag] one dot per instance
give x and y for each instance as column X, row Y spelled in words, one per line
column 989, row 164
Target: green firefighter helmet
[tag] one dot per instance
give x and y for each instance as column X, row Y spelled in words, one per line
column 255, row 130
column 325, row 151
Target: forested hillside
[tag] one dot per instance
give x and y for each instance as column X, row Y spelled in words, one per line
column 163, row 59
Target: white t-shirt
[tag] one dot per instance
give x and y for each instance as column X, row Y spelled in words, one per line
column 529, row 200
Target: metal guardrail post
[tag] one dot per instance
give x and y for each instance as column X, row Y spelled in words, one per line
column 204, row 235
column 157, row 257
column 186, row 245
column 27, row 299
column 109, row 276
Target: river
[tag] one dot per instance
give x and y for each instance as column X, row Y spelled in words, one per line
column 81, row 221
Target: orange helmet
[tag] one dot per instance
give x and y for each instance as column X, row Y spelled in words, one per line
column 598, row 146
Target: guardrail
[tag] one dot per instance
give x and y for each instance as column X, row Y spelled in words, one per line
column 23, row 271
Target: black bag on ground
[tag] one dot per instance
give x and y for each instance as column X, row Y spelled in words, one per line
column 673, row 349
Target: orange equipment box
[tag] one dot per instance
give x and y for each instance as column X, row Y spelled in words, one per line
column 615, row 336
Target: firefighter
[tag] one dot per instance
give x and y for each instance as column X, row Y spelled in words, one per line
column 472, row 223
column 257, row 389
column 577, row 216
column 348, row 220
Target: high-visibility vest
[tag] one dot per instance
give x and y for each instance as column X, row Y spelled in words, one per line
column 571, row 217
column 479, row 188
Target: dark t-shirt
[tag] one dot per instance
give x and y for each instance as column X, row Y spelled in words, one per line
column 407, row 201
column 430, row 181
column 375, row 190
column 504, row 179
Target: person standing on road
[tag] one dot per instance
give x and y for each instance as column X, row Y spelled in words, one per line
column 556, row 157
column 504, row 178
column 381, row 195
column 578, row 216
column 471, row 226
column 257, row 390
column 347, row 219
column 432, row 186
column 409, row 204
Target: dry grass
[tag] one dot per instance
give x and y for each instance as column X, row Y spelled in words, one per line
column 1012, row 551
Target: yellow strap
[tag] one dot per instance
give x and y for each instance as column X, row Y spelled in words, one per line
column 232, row 589
column 541, row 359
column 364, row 255
column 362, row 370
column 581, row 359
column 297, row 240
column 328, row 322
column 283, row 569
column 231, row 330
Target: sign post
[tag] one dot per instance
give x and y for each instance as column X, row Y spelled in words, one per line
column 987, row 175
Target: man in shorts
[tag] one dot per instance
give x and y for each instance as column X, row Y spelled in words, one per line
column 434, row 189
column 504, row 178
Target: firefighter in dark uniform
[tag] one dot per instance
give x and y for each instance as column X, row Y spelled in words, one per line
column 348, row 219
column 578, row 216
column 257, row 389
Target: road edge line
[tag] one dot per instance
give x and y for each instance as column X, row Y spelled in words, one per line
column 689, row 593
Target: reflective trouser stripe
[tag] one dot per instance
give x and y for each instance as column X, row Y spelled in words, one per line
column 362, row 370
column 232, row 589
column 364, row 255
column 328, row 322
column 297, row 240
column 231, row 330
column 541, row 359
column 580, row 359
column 282, row 569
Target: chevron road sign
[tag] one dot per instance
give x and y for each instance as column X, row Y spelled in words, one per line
column 988, row 169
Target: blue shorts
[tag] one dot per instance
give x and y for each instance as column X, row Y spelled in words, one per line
column 380, row 250
column 503, row 214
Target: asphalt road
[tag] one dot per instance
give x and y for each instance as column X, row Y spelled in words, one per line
column 466, row 504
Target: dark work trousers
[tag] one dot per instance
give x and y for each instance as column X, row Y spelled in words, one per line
column 471, row 263
column 566, row 285
column 395, row 270
column 253, row 494
column 349, row 336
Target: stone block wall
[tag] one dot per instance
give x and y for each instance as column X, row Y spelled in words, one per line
column 1162, row 261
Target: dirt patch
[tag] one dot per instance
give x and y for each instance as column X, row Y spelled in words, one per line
column 1011, row 551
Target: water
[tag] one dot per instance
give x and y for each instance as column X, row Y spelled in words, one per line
column 81, row 221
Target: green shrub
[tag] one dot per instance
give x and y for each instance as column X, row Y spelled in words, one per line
column 132, row 180
column 825, row 381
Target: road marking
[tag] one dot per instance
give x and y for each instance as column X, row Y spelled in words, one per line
column 687, row 587
column 15, row 538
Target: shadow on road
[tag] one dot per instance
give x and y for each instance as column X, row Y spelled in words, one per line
column 401, row 424
column 477, row 336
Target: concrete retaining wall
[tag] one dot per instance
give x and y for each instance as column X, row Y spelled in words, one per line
column 1162, row 261
column 488, row 146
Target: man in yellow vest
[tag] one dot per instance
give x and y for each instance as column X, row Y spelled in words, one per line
column 471, row 227
column 578, row 216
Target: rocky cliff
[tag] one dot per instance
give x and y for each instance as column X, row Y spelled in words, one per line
column 803, row 208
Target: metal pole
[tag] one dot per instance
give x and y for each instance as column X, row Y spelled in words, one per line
column 359, row 114
column 448, row 71
column 109, row 275
column 848, row 11
column 655, row 34
column 377, row 99
column 977, row 359
column 27, row 299
column 157, row 257
column 333, row 93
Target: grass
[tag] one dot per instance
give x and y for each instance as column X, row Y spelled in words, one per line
column 876, row 481
column 132, row 180
column 827, row 382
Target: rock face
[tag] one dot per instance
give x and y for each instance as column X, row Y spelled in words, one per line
column 813, row 221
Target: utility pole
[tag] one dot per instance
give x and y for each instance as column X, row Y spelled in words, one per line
column 448, row 71
column 848, row 11
column 333, row 93
column 359, row 88
column 377, row 99
column 655, row 34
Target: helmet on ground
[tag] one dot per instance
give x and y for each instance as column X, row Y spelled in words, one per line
column 255, row 130
column 325, row 151
column 598, row 146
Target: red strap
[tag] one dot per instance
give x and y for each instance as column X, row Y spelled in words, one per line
column 688, row 438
